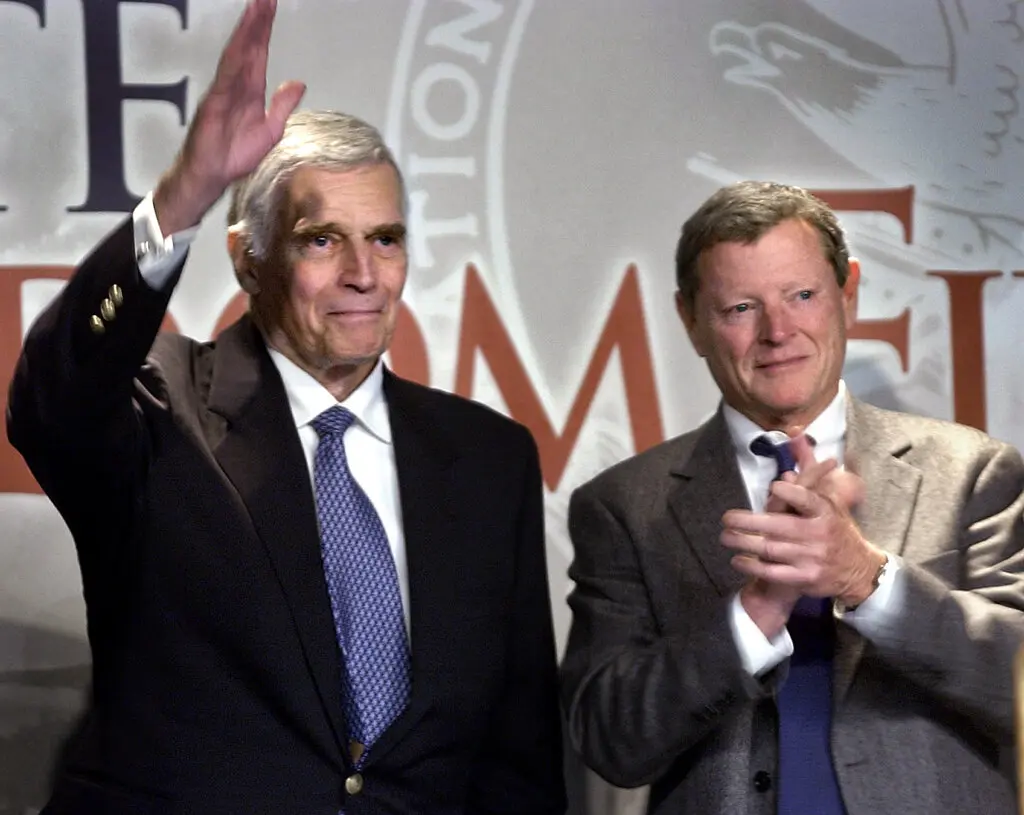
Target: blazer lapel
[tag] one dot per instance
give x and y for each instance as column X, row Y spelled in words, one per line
column 875, row 448
column 256, row 443
column 425, row 459
column 708, row 484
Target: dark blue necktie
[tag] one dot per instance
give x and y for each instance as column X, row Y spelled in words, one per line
column 807, row 779
column 363, row 585
column 782, row 453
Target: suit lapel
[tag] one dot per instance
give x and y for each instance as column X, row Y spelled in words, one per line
column 255, row 442
column 708, row 483
column 425, row 460
column 875, row 447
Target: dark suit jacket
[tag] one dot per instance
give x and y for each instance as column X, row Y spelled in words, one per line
column 179, row 471
column 923, row 714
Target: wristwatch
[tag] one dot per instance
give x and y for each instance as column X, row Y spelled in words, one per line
column 842, row 608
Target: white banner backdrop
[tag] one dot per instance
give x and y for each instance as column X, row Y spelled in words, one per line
column 552, row 149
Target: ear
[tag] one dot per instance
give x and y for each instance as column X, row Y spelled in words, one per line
column 689, row 319
column 243, row 261
column 850, row 291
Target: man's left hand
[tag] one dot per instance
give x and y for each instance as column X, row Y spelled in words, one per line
column 816, row 548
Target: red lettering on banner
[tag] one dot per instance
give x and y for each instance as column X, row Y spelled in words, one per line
column 483, row 330
column 14, row 475
column 894, row 332
column 897, row 201
column 625, row 329
column 967, row 342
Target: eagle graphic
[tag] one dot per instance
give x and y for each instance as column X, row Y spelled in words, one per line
column 953, row 130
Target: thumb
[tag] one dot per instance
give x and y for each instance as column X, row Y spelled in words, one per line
column 802, row 450
column 284, row 101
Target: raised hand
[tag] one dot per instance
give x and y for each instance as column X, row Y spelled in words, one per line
column 232, row 129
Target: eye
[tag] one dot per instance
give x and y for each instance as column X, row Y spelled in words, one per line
column 806, row 294
column 740, row 308
column 316, row 243
column 389, row 244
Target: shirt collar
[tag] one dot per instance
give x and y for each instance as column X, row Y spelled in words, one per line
column 828, row 428
column 307, row 398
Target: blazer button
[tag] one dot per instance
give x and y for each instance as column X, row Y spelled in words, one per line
column 762, row 781
column 107, row 309
column 116, row 295
column 96, row 324
column 354, row 784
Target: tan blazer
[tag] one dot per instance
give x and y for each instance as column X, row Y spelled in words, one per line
column 652, row 682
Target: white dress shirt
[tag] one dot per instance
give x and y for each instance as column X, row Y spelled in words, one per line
column 368, row 446
column 758, row 653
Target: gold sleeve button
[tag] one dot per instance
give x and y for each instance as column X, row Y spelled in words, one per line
column 116, row 295
column 96, row 324
column 107, row 310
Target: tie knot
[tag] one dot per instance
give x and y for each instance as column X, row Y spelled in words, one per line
column 782, row 452
column 333, row 421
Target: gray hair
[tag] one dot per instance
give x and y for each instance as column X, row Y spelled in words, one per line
column 324, row 139
column 745, row 211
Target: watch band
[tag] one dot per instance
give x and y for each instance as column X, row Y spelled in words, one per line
column 843, row 608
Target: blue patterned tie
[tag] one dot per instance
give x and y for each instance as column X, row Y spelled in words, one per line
column 807, row 779
column 363, row 585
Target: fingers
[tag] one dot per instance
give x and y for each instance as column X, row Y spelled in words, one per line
column 258, row 45
column 782, row 526
column 815, row 472
column 844, row 488
column 782, row 574
column 233, row 55
column 245, row 54
column 764, row 547
column 802, row 450
column 802, row 499
column 285, row 99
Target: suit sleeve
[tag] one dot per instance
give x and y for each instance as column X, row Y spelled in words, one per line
column 637, row 695
column 959, row 642
column 72, row 409
column 520, row 772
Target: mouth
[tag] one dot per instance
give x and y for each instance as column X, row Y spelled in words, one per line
column 355, row 315
column 780, row 365
column 733, row 40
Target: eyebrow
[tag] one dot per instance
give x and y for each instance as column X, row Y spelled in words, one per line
column 397, row 228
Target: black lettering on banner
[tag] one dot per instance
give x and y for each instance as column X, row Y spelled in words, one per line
column 106, row 93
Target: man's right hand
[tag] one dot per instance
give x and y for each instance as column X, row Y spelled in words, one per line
column 232, row 129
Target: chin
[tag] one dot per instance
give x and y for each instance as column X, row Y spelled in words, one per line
column 352, row 357
column 783, row 404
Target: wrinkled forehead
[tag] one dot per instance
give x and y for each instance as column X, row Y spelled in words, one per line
column 364, row 193
column 791, row 249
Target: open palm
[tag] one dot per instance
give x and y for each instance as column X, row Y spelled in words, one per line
column 232, row 129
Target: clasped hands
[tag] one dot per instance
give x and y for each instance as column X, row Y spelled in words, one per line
column 806, row 542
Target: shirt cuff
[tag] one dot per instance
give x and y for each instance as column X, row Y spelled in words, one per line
column 757, row 653
column 882, row 606
column 156, row 255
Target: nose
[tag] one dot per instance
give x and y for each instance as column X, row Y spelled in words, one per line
column 357, row 268
column 776, row 324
